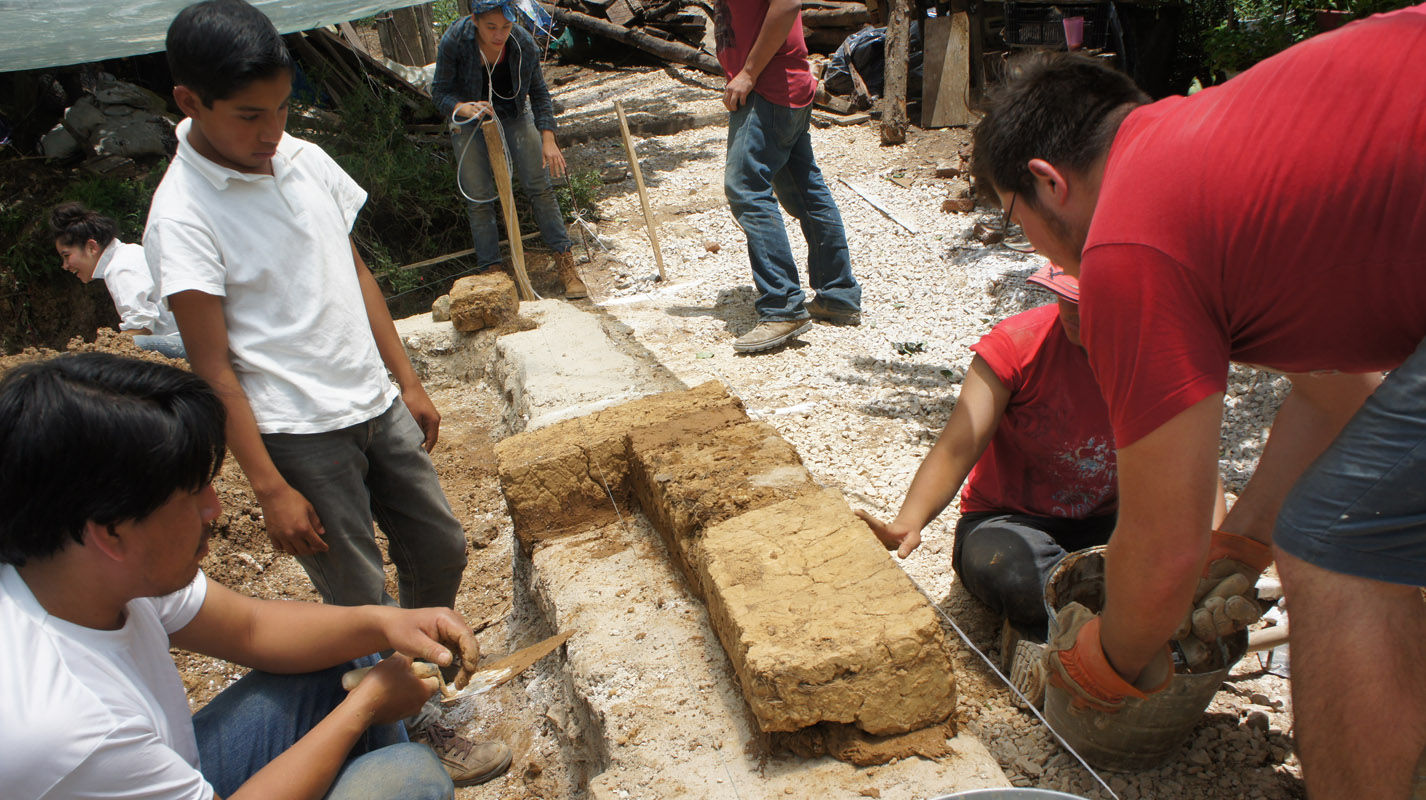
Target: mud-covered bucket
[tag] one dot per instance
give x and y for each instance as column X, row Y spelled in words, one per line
column 1143, row 733
column 1009, row 793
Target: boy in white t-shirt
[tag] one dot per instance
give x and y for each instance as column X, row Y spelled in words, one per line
column 106, row 505
column 249, row 237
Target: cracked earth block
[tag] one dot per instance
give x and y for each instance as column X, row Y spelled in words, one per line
column 820, row 623
column 687, row 483
column 483, row 301
column 554, row 479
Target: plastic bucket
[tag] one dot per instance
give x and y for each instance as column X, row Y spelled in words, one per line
column 1074, row 32
column 1009, row 793
column 1144, row 733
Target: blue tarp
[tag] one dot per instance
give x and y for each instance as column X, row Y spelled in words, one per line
column 50, row 33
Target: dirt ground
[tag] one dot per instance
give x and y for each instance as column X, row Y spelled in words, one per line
column 862, row 406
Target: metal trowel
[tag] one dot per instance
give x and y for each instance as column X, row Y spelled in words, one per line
column 490, row 674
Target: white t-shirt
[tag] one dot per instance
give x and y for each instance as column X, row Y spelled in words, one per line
column 91, row 713
column 126, row 275
column 276, row 249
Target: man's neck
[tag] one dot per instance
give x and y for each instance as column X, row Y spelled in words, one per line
column 68, row 591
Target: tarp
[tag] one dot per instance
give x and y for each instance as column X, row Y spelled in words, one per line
column 35, row 34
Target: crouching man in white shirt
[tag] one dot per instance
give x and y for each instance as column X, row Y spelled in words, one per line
column 106, row 498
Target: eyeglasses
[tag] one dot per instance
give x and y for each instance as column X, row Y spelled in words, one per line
column 1009, row 209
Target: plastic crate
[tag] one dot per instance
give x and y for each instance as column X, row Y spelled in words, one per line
column 1041, row 24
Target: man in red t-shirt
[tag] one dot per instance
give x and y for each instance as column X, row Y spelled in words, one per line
column 1277, row 220
column 770, row 161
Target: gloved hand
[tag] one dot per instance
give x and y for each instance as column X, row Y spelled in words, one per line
column 1075, row 662
column 1226, row 600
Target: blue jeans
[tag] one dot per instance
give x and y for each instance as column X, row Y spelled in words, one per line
column 170, row 345
column 526, row 150
column 261, row 716
column 375, row 470
column 770, row 161
column 1360, row 508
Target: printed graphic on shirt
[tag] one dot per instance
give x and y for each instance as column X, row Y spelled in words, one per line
column 1093, row 467
column 723, row 35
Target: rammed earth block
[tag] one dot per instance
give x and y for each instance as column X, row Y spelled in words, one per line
column 483, row 301
column 560, row 479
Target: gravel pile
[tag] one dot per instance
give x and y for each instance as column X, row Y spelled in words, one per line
column 863, row 405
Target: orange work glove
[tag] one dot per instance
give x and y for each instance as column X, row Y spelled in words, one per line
column 1075, row 662
column 1226, row 600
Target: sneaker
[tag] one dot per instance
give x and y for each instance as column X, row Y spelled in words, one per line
column 769, row 334
column 467, row 762
column 837, row 315
column 1022, row 660
column 574, row 288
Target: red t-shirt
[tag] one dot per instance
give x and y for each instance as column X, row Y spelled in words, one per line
column 1052, row 454
column 786, row 80
column 1277, row 220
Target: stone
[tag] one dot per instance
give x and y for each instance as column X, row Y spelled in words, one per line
column 948, row 170
column 572, row 476
column 957, row 205
column 441, row 309
column 84, row 117
column 58, row 143
column 135, row 136
column 483, row 301
column 818, row 621
column 128, row 94
column 686, row 483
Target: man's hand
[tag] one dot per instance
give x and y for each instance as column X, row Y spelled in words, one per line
column 736, row 92
column 897, row 536
column 472, row 111
column 394, row 690
column 1226, row 600
column 553, row 158
column 292, row 522
column 438, row 635
column 425, row 413
column 1075, row 662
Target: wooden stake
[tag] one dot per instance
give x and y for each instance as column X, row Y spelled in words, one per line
column 893, row 99
column 639, row 182
column 500, row 169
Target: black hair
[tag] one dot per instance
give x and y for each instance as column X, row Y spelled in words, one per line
column 1057, row 106
column 72, row 224
column 96, row 437
column 217, row 48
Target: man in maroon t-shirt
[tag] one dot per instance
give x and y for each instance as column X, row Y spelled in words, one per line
column 1277, row 220
column 770, row 161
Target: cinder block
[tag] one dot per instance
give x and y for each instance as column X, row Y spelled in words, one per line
column 820, row 623
column 559, row 479
column 686, row 483
column 483, row 301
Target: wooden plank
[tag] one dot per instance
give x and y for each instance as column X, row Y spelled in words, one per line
column 351, row 36
column 876, row 204
column 946, row 86
column 500, row 169
column 622, row 12
column 639, row 182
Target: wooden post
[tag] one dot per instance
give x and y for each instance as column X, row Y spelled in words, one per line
column 893, row 99
column 407, row 36
column 639, row 182
column 945, row 89
column 500, row 169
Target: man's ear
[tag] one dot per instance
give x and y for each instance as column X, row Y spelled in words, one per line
column 106, row 539
column 187, row 100
column 1051, row 186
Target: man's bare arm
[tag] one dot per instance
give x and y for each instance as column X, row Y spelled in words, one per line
column 781, row 16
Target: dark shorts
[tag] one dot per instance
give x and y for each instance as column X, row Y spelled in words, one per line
column 1360, row 508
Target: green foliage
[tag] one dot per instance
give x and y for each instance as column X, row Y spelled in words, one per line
column 1236, row 34
column 579, row 192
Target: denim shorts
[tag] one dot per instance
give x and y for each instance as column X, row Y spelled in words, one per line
column 1360, row 508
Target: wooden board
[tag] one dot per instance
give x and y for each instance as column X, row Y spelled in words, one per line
column 622, row 12
column 945, row 87
column 639, row 183
column 500, row 169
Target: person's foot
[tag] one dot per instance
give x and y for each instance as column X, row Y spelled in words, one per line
column 837, row 315
column 466, row 761
column 1022, row 660
column 769, row 334
column 574, row 288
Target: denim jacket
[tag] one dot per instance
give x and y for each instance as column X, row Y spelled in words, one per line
column 460, row 76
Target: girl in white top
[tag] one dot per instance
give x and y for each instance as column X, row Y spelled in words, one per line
column 89, row 247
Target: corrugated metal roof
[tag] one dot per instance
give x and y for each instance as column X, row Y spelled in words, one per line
column 49, row 33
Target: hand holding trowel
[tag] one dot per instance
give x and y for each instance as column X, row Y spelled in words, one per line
column 489, row 675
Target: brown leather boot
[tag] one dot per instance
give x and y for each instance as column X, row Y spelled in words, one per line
column 574, row 288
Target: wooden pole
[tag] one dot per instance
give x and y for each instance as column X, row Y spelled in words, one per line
column 500, row 169
column 639, row 182
column 893, row 100
column 669, row 51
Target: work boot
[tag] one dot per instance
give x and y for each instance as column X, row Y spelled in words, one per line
column 574, row 288
column 467, row 762
column 1022, row 660
column 769, row 334
column 837, row 315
